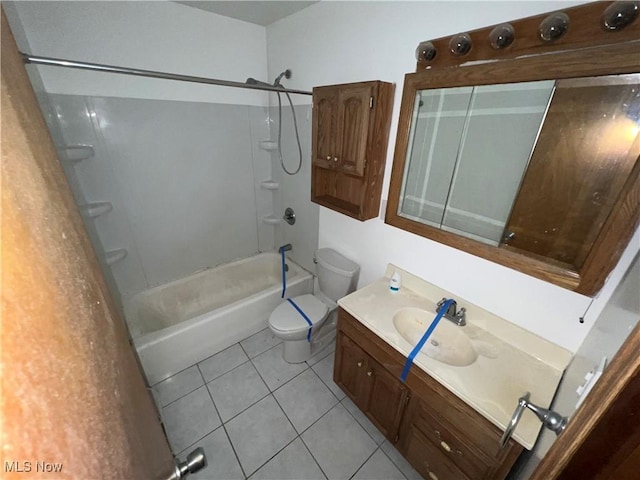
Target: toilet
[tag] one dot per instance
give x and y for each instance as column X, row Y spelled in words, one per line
column 337, row 277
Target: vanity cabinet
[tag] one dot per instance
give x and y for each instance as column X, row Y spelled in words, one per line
column 380, row 395
column 349, row 146
column 440, row 435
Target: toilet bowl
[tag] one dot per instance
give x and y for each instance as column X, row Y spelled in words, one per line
column 307, row 323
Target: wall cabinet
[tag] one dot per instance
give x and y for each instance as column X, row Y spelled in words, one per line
column 349, row 143
column 439, row 434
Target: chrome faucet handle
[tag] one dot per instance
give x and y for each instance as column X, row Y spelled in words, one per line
column 452, row 306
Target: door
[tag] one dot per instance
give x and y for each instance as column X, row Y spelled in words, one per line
column 350, row 365
column 324, row 126
column 355, row 103
column 73, row 398
column 384, row 399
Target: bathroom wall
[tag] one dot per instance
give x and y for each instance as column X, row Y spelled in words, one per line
column 336, row 42
column 159, row 35
column 179, row 162
column 295, row 189
column 180, row 177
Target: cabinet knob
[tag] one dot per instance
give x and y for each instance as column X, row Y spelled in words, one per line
column 329, row 157
column 445, row 446
column 370, row 373
column 433, row 476
column 359, row 364
column 335, row 159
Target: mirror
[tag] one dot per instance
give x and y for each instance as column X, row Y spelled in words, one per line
column 528, row 168
column 468, row 150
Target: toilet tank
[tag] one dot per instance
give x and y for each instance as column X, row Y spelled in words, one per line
column 337, row 275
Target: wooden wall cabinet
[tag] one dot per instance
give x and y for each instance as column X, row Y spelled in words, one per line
column 439, row 434
column 349, row 146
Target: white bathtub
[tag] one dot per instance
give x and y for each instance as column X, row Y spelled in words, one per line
column 178, row 324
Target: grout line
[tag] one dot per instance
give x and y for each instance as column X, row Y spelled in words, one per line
column 358, row 421
column 391, row 459
column 225, row 373
column 181, row 397
column 234, row 451
column 171, row 376
column 363, row 463
column 314, row 458
column 275, row 455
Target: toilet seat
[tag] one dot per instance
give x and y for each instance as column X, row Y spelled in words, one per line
column 286, row 319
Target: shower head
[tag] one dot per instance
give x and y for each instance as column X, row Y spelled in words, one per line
column 286, row 74
column 253, row 81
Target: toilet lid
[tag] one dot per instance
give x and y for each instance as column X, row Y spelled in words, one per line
column 286, row 318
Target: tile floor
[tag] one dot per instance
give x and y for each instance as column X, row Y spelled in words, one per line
column 258, row 417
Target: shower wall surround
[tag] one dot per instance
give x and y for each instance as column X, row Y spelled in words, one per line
column 294, row 189
column 182, row 177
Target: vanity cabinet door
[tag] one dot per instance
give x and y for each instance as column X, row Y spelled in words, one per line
column 384, row 399
column 375, row 391
column 351, row 363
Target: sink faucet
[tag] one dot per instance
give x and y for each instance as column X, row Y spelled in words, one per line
column 453, row 314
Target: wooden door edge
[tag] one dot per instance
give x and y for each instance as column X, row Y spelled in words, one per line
column 622, row 369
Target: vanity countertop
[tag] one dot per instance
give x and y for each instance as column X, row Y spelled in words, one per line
column 511, row 360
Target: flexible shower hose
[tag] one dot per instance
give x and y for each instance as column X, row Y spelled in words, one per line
column 295, row 126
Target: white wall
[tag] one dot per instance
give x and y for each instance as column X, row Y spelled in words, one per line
column 151, row 35
column 335, row 42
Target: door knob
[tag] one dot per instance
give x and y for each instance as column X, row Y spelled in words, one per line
column 329, row 157
column 550, row 419
column 196, row 461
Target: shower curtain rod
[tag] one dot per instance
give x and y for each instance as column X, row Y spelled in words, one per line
column 60, row 62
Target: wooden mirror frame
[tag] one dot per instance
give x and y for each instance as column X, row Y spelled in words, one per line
column 615, row 55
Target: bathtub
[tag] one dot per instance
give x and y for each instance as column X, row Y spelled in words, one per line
column 178, row 324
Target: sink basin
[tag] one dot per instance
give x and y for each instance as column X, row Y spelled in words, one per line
column 448, row 343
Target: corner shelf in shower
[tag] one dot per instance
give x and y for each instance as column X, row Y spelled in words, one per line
column 271, row 220
column 77, row 153
column 114, row 256
column 269, row 185
column 95, row 209
column 268, row 145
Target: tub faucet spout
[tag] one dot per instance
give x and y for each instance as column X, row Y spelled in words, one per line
column 285, row 248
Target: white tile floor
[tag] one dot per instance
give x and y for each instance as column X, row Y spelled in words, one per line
column 258, row 417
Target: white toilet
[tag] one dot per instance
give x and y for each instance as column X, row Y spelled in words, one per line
column 337, row 277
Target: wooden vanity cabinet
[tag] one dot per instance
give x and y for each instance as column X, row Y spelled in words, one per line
column 440, row 435
column 349, row 146
column 380, row 395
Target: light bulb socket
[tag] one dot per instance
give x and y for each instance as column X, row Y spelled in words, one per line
column 554, row 27
column 460, row 44
column 426, row 52
column 620, row 14
column 502, row 36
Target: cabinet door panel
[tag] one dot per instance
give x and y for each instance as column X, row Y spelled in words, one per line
column 384, row 399
column 350, row 365
column 353, row 127
column 325, row 127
